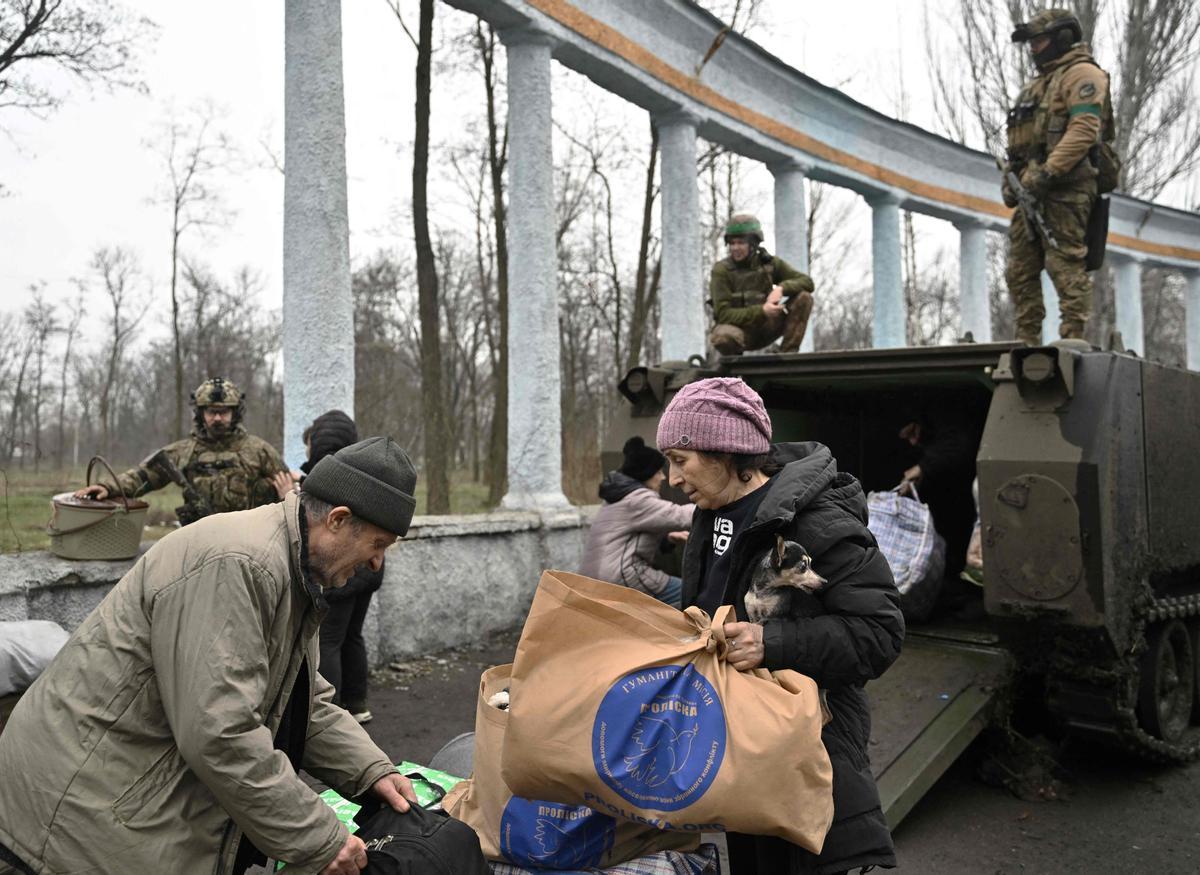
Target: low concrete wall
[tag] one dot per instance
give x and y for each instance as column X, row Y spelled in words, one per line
column 40, row 586
column 453, row 580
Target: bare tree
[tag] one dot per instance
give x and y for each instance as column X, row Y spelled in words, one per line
column 1156, row 112
column 386, row 338
column 117, row 271
column 843, row 315
column 193, row 152
column 22, row 352
column 646, row 279
column 1153, row 80
column 42, row 323
column 71, row 331
column 93, row 41
column 432, row 403
column 845, row 321
column 497, row 160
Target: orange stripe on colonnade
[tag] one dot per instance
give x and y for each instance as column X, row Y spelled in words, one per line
column 614, row 41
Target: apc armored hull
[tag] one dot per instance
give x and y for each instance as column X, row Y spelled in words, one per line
column 1088, row 470
column 1088, row 475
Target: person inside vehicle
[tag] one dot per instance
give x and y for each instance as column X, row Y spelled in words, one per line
column 628, row 530
column 942, row 453
column 716, row 436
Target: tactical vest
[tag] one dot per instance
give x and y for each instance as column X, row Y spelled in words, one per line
column 230, row 480
column 1034, row 130
column 751, row 285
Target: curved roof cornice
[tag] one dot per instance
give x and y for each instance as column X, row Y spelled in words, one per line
column 650, row 51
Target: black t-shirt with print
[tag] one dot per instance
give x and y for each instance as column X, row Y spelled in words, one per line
column 728, row 523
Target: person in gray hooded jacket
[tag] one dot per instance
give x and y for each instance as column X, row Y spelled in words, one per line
column 628, row 530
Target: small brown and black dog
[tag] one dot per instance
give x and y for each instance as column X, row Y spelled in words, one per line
column 784, row 584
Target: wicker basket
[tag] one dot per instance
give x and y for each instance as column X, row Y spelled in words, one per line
column 83, row 528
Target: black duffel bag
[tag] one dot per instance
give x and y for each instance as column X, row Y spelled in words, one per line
column 420, row 842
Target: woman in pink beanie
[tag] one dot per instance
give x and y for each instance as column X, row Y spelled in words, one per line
column 716, row 435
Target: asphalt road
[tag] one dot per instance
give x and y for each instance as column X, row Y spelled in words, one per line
column 1115, row 814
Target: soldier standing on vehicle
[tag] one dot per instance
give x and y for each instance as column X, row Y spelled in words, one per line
column 227, row 468
column 757, row 298
column 1058, row 145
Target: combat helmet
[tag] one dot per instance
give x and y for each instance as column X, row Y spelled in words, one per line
column 218, row 392
column 744, row 225
column 1061, row 25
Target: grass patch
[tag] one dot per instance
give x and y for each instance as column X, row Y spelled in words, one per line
column 466, row 496
column 26, row 507
column 25, row 504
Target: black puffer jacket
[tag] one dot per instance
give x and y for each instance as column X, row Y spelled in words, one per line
column 854, row 641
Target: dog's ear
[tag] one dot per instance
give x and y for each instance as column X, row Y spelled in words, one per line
column 780, row 551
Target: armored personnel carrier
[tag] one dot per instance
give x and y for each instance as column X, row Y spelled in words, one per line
column 1088, row 470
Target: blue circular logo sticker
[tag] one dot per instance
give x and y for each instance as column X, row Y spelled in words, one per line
column 550, row 835
column 659, row 737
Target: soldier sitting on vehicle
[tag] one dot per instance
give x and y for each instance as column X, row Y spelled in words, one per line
column 757, row 298
column 223, row 467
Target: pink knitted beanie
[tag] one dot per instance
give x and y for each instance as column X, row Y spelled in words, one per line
column 717, row 415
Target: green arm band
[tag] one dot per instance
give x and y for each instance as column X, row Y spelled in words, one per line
column 1085, row 109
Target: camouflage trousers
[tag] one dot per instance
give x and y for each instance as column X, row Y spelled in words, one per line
column 791, row 326
column 1066, row 213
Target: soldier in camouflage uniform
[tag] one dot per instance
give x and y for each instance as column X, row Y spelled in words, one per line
column 1061, row 120
column 748, row 291
column 229, row 468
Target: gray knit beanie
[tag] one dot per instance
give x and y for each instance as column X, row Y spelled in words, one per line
column 374, row 478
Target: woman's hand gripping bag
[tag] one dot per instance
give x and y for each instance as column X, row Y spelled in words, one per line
column 626, row 705
column 537, row 834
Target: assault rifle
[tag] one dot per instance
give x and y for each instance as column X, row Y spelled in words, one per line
column 194, row 506
column 1034, row 222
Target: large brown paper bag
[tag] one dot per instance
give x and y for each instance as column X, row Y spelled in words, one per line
column 624, row 704
column 539, row 834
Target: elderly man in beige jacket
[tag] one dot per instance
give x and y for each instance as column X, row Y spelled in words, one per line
column 167, row 734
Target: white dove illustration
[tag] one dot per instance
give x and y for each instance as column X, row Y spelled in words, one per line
column 663, row 751
column 552, row 839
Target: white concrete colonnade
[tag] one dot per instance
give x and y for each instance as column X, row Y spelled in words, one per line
column 798, row 128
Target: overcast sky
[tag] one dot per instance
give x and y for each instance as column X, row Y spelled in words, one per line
column 87, row 175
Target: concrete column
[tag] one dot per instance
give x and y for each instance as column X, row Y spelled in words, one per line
column 683, row 289
column 888, row 278
column 791, row 225
column 1050, row 302
column 1192, row 330
column 975, row 312
column 318, row 310
column 1128, row 280
column 534, row 405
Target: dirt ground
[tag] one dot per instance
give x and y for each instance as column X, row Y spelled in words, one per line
column 1118, row 815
